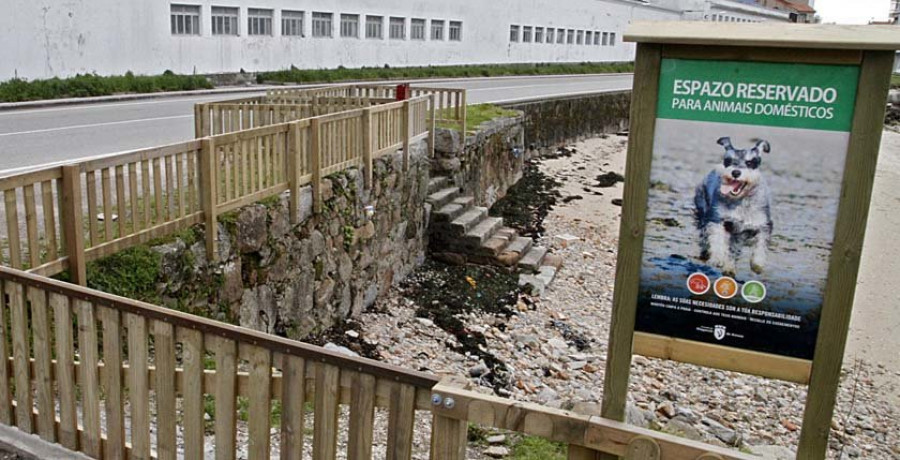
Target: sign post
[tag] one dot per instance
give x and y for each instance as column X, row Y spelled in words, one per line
column 751, row 159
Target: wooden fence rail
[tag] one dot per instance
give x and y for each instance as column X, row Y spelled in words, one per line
column 116, row 378
column 60, row 218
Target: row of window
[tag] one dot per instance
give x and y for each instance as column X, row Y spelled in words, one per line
column 224, row 20
column 726, row 18
column 560, row 36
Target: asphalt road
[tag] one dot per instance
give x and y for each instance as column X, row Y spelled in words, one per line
column 33, row 137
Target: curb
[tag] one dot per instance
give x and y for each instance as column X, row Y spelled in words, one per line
column 9, row 106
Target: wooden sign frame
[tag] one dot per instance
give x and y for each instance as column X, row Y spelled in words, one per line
column 870, row 47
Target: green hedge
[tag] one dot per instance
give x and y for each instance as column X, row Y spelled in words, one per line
column 895, row 81
column 295, row 75
column 18, row 90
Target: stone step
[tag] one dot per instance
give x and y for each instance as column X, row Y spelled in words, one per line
column 484, row 230
column 443, row 197
column 467, row 220
column 536, row 283
column 438, row 183
column 465, row 201
column 448, row 213
column 520, row 245
column 494, row 245
column 533, row 258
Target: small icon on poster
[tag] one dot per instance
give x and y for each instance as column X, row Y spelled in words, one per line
column 753, row 291
column 726, row 287
column 698, row 283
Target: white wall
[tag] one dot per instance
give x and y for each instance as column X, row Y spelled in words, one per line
column 45, row 38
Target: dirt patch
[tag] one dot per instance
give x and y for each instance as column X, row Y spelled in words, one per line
column 527, row 203
column 347, row 334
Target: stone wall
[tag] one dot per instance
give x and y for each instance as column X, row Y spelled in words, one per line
column 489, row 164
column 550, row 123
column 294, row 280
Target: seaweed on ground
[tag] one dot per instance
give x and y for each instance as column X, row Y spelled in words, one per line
column 527, row 203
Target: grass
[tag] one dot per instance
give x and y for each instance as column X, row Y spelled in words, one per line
column 131, row 273
column 87, row 85
column 534, row 448
column 478, row 114
column 895, row 81
column 295, row 75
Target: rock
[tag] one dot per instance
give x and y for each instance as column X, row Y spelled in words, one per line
column 317, row 243
column 723, row 433
column 547, row 394
column 352, row 334
column 558, row 343
column 577, row 365
column 681, row 427
column 478, row 371
column 496, row 439
column 638, row 417
column 252, row 229
column 528, row 340
column 666, row 408
column 339, row 349
column 425, row 322
column 446, row 140
column 324, row 292
column 496, row 452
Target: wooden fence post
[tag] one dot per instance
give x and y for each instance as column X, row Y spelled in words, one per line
column 448, row 438
column 462, row 121
column 404, row 125
column 198, row 121
column 73, row 230
column 315, row 158
column 209, row 194
column 293, row 174
column 367, row 145
column 432, row 113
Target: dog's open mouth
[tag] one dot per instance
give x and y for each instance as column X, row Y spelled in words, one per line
column 733, row 187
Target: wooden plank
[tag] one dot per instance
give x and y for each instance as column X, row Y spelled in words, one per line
column 192, row 182
column 631, row 233
column 133, row 195
column 315, row 162
column 90, row 379
column 260, row 410
column 293, row 396
column 293, row 173
column 404, row 133
column 225, row 393
column 121, row 202
column 145, row 193
column 736, row 53
column 208, row 196
column 765, row 34
column 106, row 191
column 93, row 224
column 362, row 417
column 140, row 155
column 65, row 370
column 23, row 179
column 6, row 414
column 853, row 211
column 721, row 357
column 43, row 372
column 448, row 438
column 192, row 394
column 158, row 193
column 326, row 412
column 111, row 322
column 170, row 188
column 22, row 354
column 160, row 230
column 72, row 223
column 164, row 379
column 34, row 244
column 50, row 220
column 400, row 422
column 12, row 228
column 138, row 386
column 252, row 198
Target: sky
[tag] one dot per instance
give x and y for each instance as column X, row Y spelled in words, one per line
column 852, row 11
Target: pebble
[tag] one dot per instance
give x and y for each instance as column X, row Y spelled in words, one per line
column 496, row 439
column 496, row 452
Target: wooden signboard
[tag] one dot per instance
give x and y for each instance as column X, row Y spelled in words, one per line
column 751, row 159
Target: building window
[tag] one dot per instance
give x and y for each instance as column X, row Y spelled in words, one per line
column 526, row 34
column 560, row 36
column 588, row 38
column 580, row 39
column 612, row 39
column 550, row 38
column 539, row 35
column 570, row 36
column 605, row 38
column 224, row 21
column 398, row 29
column 350, row 25
column 291, row 23
column 513, row 34
column 375, row 27
column 185, row 19
column 596, row 38
column 321, row 24
column 455, row 31
column 259, row 22
column 417, row 29
column 437, row 29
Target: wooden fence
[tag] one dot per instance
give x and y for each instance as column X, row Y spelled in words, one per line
column 116, row 378
column 59, row 218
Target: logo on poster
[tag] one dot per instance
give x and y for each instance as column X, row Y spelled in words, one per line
column 698, row 283
column 726, row 287
column 719, row 332
column 754, row 292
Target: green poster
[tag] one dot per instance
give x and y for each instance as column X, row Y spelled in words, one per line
column 748, row 161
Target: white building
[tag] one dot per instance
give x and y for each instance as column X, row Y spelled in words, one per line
column 46, row 38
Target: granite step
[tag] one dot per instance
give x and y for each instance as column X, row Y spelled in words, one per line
column 494, row 246
column 484, row 230
column 532, row 259
column 442, row 197
column 465, row 201
column 438, row 183
column 520, row 245
column 468, row 220
column 448, row 213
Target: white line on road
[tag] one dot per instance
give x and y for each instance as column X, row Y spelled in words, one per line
column 63, row 128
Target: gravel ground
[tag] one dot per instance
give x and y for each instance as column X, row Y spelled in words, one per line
column 555, row 347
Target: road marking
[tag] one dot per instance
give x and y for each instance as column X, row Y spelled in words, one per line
column 64, row 128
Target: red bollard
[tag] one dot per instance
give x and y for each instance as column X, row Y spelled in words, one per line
column 403, row 92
